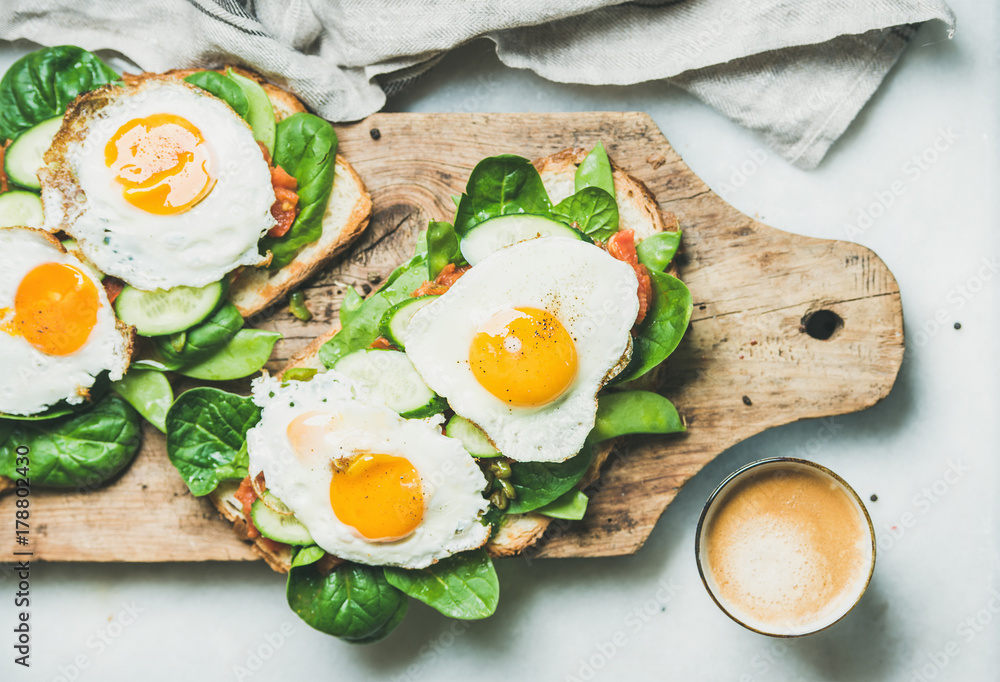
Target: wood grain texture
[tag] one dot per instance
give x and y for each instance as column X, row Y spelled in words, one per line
column 752, row 286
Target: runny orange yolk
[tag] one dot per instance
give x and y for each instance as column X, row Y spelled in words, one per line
column 55, row 309
column 378, row 495
column 162, row 162
column 523, row 356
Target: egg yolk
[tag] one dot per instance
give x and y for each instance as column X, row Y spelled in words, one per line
column 523, row 356
column 162, row 163
column 55, row 309
column 378, row 495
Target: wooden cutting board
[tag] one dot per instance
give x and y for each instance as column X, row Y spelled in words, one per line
column 749, row 361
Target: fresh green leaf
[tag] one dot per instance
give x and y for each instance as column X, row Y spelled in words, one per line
column 461, row 586
column 224, row 88
column 82, row 450
column 421, row 245
column 570, row 505
column 149, row 392
column 664, row 326
column 354, row 602
column 242, row 356
column 363, row 326
column 350, row 305
column 595, row 171
column 40, row 85
column 306, row 148
column 206, row 437
column 307, row 555
column 656, row 251
column 501, row 185
column 260, row 111
column 442, row 247
column 594, row 211
column 623, row 413
column 539, row 483
column 201, row 340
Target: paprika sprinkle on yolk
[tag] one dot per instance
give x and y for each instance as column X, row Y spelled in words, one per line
column 523, row 356
column 55, row 309
column 162, row 163
column 378, row 495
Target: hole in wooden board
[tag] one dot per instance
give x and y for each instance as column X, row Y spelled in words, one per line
column 822, row 324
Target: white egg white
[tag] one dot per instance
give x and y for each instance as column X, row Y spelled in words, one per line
column 218, row 234
column 591, row 293
column 452, row 482
column 33, row 380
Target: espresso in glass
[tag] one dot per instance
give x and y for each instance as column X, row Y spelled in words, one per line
column 785, row 547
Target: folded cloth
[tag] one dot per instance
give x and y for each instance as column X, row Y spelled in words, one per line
column 795, row 71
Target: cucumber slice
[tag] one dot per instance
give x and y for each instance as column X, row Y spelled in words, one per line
column 261, row 113
column 20, row 208
column 496, row 233
column 23, row 157
column 473, row 439
column 167, row 311
column 392, row 378
column 396, row 319
column 278, row 527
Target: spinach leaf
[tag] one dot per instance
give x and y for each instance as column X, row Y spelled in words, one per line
column 626, row 412
column 462, row 586
column 442, row 247
column 656, row 251
column 350, row 305
column 501, row 185
column 570, row 505
column 661, row 331
column 363, row 327
column 595, row 171
column 241, row 356
column 222, row 87
column 206, row 437
column 306, row 147
column 40, row 85
column 149, row 392
column 354, row 602
column 78, row 451
column 594, row 211
column 202, row 339
column 539, row 483
column 307, row 555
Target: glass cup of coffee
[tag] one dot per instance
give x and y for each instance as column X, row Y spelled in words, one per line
column 785, row 547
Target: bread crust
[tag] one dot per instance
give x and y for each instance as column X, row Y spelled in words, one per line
column 641, row 213
column 255, row 289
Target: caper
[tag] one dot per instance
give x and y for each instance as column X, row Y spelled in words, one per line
column 501, row 468
column 498, row 500
column 507, row 488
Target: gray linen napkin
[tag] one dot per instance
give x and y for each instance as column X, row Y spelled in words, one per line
column 795, row 71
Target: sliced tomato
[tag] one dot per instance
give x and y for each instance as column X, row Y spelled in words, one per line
column 113, row 286
column 621, row 245
column 247, row 496
column 444, row 281
column 381, row 343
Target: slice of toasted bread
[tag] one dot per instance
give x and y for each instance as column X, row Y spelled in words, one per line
column 638, row 211
column 346, row 217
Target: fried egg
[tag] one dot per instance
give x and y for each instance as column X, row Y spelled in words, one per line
column 57, row 329
column 522, row 343
column 161, row 183
column 370, row 486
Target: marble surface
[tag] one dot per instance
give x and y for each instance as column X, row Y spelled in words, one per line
column 914, row 179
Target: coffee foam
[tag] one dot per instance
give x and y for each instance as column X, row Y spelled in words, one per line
column 787, row 549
